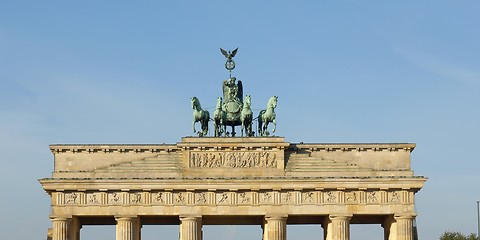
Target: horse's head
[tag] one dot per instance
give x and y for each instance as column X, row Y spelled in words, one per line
column 272, row 102
column 219, row 102
column 248, row 101
column 195, row 102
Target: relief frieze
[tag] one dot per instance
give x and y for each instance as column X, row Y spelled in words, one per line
column 229, row 198
column 158, row 198
column 308, row 198
column 233, row 159
column 372, row 197
column 266, row 198
column 330, row 197
column 135, row 198
column 71, row 198
column 93, row 198
column 179, row 198
column 394, row 197
column 115, row 198
column 243, row 198
column 287, row 197
column 201, row 198
column 351, row 197
column 223, row 198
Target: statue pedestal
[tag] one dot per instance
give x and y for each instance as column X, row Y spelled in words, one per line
column 233, row 157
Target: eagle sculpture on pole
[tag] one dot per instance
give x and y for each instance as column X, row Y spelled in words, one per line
column 229, row 64
column 229, row 55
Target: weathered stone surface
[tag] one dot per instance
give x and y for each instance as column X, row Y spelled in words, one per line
column 239, row 178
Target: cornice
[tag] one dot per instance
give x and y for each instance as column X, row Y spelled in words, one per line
column 346, row 147
column 109, row 148
column 415, row 182
column 140, row 148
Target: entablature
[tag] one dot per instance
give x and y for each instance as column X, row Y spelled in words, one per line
column 233, row 201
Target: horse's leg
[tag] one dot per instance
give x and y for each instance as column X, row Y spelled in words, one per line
column 193, row 123
column 259, row 127
column 242, row 127
column 206, row 126
column 221, row 128
column 250, row 132
column 224, row 129
column 218, row 127
column 203, row 127
column 245, row 128
column 274, row 124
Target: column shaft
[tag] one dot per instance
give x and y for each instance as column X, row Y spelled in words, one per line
column 191, row 228
column 125, row 228
column 389, row 228
column 338, row 228
column 74, row 229
column 60, row 228
column 404, row 227
column 275, row 228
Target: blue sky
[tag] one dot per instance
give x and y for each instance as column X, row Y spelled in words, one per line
column 349, row 71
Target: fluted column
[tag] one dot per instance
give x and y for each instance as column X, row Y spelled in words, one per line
column 389, row 228
column 337, row 227
column 125, row 228
column 137, row 229
column 190, row 228
column 74, row 229
column 275, row 228
column 60, row 228
column 404, row 227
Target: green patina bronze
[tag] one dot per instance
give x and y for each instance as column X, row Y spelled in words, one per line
column 219, row 117
column 232, row 110
column 200, row 115
column 267, row 116
column 247, row 117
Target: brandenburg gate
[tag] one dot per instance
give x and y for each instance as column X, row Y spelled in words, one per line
column 262, row 180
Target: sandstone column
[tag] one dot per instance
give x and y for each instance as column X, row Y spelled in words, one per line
column 275, row 228
column 190, row 228
column 389, row 228
column 74, row 229
column 137, row 229
column 404, row 229
column 337, row 227
column 125, row 228
column 60, row 228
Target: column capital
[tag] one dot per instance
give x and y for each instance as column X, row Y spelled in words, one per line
column 276, row 217
column 345, row 217
column 190, row 217
column 60, row 219
column 406, row 216
column 125, row 218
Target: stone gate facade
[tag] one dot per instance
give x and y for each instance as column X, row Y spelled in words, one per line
column 206, row 180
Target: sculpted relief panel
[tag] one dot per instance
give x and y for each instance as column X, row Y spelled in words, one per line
column 233, row 159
